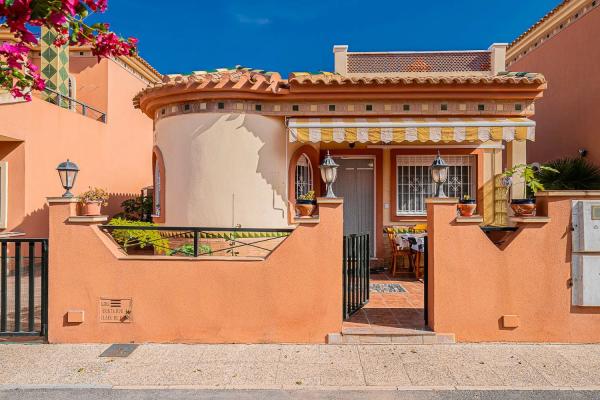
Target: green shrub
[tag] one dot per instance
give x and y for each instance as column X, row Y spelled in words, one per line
column 574, row 173
column 136, row 237
column 188, row 250
column 137, row 209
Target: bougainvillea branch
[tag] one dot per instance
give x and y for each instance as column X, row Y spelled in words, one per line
column 66, row 17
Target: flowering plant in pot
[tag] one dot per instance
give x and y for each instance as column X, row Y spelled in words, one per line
column 466, row 206
column 92, row 201
column 306, row 204
column 525, row 207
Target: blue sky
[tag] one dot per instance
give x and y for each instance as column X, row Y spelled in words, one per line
column 180, row 36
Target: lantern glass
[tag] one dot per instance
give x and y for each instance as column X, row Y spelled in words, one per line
column 439, row 174
column 329, row 174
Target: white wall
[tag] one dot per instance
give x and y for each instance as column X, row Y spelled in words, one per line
column 223, row 170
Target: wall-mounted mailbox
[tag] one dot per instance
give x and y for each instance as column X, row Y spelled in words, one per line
column 585, row 260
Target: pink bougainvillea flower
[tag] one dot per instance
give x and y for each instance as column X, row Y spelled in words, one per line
column 17, row 73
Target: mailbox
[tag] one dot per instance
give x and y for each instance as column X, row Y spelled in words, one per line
column 585, row 259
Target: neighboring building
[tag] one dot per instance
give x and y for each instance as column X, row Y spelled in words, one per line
column 563, row 46
column 91, row 122
column 238, row 146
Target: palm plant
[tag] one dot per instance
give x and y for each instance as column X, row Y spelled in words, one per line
column 572, row 173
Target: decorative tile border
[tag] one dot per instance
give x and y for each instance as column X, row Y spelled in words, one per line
column 340, row 109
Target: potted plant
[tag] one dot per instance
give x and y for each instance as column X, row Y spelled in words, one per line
column 466, row 206
column 306, row 204
column 525, row 207
column 92, row 201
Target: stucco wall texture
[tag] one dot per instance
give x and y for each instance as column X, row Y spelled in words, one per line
column 224, row 170
column 473, row 283
column 293, row 296
column 567, row 116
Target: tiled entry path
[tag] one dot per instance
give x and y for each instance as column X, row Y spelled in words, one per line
column 392, row 315
column 390, row 311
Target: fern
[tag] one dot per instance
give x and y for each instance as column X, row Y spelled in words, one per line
column 138, row 237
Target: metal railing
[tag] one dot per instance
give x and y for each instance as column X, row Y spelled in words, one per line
column 197, row 241
column 56, row 98
column 356, row 273
column 23, row 287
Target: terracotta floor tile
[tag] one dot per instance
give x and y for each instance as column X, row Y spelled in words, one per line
column 389, row 311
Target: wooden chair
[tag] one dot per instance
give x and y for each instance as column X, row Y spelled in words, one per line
column 397, row 251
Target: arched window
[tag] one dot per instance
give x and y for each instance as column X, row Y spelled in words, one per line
column 157, row 187
column 159, row 178
column 304, row 176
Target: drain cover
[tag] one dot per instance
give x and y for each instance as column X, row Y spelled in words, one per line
column 119, row 350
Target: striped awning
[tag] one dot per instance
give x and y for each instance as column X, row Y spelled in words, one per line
column 398, row 130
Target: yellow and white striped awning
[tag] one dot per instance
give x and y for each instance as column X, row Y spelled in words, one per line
column 398, row 130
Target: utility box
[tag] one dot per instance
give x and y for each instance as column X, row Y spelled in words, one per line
column 586, row 280
column 586, row 226
column 585, row 259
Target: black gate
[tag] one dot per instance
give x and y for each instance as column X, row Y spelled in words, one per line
column 355, row 273
column 23, row 287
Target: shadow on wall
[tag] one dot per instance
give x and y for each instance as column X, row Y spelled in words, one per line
column 273, row 173
column 35, row 224
column 271, row 160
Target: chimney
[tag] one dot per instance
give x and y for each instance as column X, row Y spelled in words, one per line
column 340, row 54
column 498, row 57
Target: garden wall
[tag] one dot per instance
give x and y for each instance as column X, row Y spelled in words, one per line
column 294, row 295
column 476, row 288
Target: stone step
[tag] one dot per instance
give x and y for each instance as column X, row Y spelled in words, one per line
column 390, row 335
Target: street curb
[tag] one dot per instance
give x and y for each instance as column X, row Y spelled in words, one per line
column 16, row 387
column 6, row 387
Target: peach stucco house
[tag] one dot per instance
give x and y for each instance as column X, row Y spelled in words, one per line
column 235, row 148
column 95, row 126
column 231, row 152
column 562, row 46
column 245, row 143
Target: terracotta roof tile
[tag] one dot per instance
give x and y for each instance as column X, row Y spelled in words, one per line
column 235, row 79
column 336, row 79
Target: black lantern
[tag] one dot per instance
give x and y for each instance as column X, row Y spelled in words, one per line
column 329, row 173
column 439, row 174
column 67, row 171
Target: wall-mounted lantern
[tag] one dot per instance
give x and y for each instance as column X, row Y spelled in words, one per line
column 439, row 174
column 67, row 171
column 329, row 174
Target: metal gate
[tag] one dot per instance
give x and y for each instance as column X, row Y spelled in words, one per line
column 355, row 273
column 23, row 287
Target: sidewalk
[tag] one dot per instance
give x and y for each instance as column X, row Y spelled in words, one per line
column 391, row 367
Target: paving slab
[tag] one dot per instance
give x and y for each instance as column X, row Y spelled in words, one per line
column 306, row 366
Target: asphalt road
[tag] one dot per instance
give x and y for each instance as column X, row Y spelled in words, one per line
column 176, row 394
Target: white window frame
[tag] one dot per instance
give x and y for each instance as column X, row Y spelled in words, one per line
column 3, row 194
column 416, row 182
column 305, row 174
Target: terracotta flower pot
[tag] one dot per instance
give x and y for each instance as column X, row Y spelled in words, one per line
column 91, row 208
column 523, row 207
column 306, row 207
column 466, row 208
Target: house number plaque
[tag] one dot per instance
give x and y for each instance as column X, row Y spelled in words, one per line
column 115, row 310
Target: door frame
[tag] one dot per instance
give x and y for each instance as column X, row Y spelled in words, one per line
column 377, row 156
